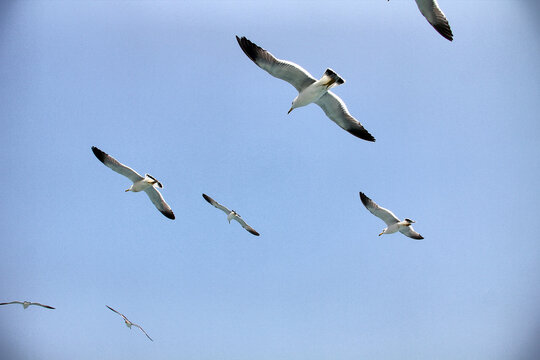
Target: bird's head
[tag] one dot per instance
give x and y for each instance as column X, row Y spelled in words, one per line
column 293, row 105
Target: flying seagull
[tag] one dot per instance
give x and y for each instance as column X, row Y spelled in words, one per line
column 392, row 222
column 310, row 90
column 129, row 323
column 231, row 214
column 26, row 304
column 147, row 183
column 434, row 15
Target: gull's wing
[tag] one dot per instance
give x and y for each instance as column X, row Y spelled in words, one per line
column 122, row 315
column 292, row 73
column 12, row 302
column 216, row 204
column 38, row 304
column 246, row 226
column 158, row 202
column 337, row 111
column 409, row 231
column 112, row 163
column 434, row 15
column 142, row 331
column 384, row 214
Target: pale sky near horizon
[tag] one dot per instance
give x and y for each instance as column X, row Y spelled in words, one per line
column 165, row 88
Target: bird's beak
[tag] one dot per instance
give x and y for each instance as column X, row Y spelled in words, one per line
column 288, row 112
column 381, row 233
column 127, row 190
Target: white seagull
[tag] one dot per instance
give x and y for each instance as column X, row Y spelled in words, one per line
column 231, row 214
column 392, row 222
column 26, row 304
column 140, row 183
column 310, row 90
column 129, row 323
column 434, row 15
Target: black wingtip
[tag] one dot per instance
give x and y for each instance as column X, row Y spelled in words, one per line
column 168, row 214
column 254, row 232
column 364, row 198
column 99, row 154
column 249, row 48
column 361, row 133
column 445, row 31
column 207, row 198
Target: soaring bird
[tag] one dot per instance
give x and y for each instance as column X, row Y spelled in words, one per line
column 231, row 214
column 147, row 183
column 310, row 90
column 26, row 304
column 129, row 323
column 392, row 222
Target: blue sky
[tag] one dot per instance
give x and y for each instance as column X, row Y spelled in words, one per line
column 165, row 88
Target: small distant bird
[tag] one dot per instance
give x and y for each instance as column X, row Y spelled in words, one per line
column 147, row 183
column 310, row 90
column 129, row 323
column 434, row 15
column 231, row 214
column 392, row 222
column 26, row 304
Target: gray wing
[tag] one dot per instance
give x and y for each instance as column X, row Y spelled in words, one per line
column 384, row 214
column 337, row 111
column 434, row 15
column 159, row 202
column 292, row 73
column 246, row 226
column 12, row 302
column 38, row 304
column 142, row 331
column 216, row 204
column 114, row 165
column 122, row 315
column 409, row 231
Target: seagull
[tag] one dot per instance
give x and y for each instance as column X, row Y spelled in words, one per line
column 434, row 15
column 147, row 183
column 310, row 90
column 392, row 222
column 129, row 323
column 231, row 214
column 26, row 304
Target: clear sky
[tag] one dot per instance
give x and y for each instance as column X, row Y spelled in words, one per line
column 165, row 88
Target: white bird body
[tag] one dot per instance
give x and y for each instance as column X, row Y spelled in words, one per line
column 129, row 323
column 141, row 185
column 314, row 92
column 395, row 227
column 391, row 220
column 146, row 183
column 231, row 214
column 26, row 304
column 310, row 90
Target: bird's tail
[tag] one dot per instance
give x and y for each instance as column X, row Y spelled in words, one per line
column 331, row 79
column 156, row 181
